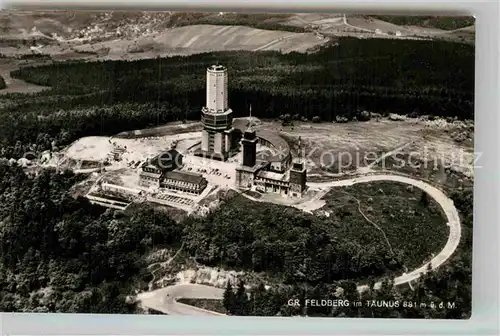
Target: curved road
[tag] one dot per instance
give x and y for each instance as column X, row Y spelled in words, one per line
column 444, row 201
column 164, row 299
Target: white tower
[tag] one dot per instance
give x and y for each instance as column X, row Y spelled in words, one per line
column 216, row 116
column 217, row 88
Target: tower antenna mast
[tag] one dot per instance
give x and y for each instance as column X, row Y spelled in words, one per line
column 300, row 149
column 250, row 119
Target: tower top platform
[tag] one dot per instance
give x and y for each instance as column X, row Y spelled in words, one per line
column 216, row 68
column 208, row 111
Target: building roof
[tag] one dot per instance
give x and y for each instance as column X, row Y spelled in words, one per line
column 148, row 174
column 250, row 135
column 272, row 176
column 264, row 155
column 240, row 124
column 258, row 166
column 247, row 169
column 148, row 165
column 261, row 164
column 184, row 176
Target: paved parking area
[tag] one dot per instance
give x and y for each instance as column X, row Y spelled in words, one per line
column 218, row 173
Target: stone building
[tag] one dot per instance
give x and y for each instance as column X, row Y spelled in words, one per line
column 184, row 181
column 150, row 176
column 162, row 172
column 270, row 173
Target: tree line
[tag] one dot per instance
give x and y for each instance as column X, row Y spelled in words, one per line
column 440, row 22
column 427, row 77
column 61, row 254
column 339, row 82
column 37, row 132
column 267, row 21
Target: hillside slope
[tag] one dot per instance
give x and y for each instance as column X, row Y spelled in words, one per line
column 98, row 26
column 205, row 38
column 119, row 35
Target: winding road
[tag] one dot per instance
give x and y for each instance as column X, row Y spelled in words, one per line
column 165, row 299
column 444, row 201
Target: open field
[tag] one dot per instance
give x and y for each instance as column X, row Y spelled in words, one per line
column 84, row 25
column 330, row 149
column 15, row 85
column 447, row 23
column 136, row 35
column 135, row 150
column 377, row 26
column 170, row 129
column 205, row 38
column 185, row 40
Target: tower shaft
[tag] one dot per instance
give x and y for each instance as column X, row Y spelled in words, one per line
column 216, row 116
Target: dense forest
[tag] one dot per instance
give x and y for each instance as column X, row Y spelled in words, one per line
column 76, row 257
column 63, row 254
column 440, row 22
column 274, row 21
column 283, row 241
column 296, row 246
column 339, row 81
column 267, row 21
column 450, row 285
column 382, row 76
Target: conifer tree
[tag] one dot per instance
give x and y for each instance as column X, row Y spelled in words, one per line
column 228, row 299
column 241, row 302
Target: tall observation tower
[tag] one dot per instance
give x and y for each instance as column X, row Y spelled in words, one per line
column 216, row 116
